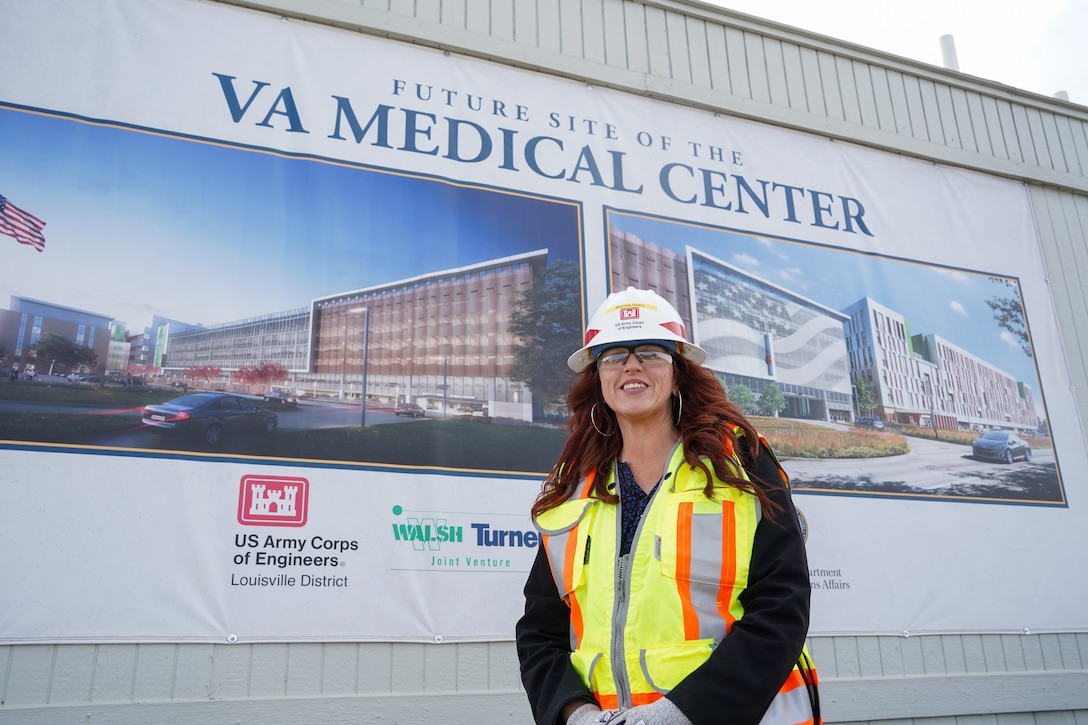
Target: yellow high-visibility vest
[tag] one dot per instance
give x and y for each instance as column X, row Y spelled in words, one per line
column 639, row 624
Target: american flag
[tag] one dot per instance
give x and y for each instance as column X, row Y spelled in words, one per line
column 17, row 223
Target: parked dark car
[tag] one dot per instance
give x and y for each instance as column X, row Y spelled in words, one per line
column 1001, row 445
column 209, row 416
column 282, row 397
column 410, row 409
column 872, row 423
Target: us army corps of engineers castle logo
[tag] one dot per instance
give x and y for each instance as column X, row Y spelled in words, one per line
column 273, row 501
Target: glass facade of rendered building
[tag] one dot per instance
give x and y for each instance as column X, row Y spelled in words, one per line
column 441, row 340
column 756, row 333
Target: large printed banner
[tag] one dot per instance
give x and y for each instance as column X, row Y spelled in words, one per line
column 289, row 308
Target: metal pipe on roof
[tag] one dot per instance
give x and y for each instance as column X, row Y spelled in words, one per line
column 948, row 53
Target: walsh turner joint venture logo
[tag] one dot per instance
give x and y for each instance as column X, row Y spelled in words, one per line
column 437, row 543
column 273, row 501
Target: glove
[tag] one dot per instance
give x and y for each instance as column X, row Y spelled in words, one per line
column 590, row 715
column 659, row 712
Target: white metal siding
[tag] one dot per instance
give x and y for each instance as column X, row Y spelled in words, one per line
column 693, row 54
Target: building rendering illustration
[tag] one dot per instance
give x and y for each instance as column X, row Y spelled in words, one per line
column 757, row 333
column 440, row 340
column 27, row 319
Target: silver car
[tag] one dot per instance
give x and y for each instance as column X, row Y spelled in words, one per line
column 1001, row 445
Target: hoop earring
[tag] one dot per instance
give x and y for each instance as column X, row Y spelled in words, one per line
column 593, row 422
column 679, row 407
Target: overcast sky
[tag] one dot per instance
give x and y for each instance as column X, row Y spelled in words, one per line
column 1036, row 46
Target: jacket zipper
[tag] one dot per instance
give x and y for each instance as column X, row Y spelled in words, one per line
column 623, row 592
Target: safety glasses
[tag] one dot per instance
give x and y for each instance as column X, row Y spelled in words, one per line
column 616, row 357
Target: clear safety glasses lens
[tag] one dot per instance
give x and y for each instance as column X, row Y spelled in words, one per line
column 618, row 358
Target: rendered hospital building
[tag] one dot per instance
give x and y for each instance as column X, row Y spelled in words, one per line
column 442, row 340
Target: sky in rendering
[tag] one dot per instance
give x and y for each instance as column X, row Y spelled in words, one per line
column 141, row 224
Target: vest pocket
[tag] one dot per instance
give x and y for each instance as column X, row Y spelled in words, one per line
column 586, row 664
column 559, row 525
column 690, row 541
column 665, row 665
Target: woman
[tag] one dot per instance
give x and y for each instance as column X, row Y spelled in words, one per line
column 671, row 586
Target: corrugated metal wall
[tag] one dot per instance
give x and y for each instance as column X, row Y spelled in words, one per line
column 698, row 55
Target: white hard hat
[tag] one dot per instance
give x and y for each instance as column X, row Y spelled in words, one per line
column 631, row 316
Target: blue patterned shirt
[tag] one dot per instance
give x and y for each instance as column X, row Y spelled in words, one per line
column 634, row 501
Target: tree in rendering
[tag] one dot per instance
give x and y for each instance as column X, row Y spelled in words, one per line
column 143, row 369
column 1009, row 314
column 866, row 397
column 547, row 321
column 743, row 396
column 202, row 372
column 264, row 373
column 53, row 349
column 771, row 400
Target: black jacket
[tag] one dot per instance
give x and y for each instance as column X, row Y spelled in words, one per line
column 744, row 672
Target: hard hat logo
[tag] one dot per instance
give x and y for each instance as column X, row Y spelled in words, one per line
column 630, row 316
column 675, row 328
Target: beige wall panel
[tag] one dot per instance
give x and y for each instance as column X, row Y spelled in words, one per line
column 592, row 27
column 678, row 47
column 718, row 58
column 1062, row 220
column 961, row 117
column 1079, row 132
column 614, row 34
column 758, row 72
column 698, row 52
column 978, row 111
column 548, row 29
column 951, row 115
column 571, row 39
column 1068, row 137
column 657, row 43
column 877, row 79
column 489, row 19
column 453, row 12
column 1006, row 131
column 1022, row 128
column 636, row 44
column 924, row 126
column 901, row 111
column 72, row 673
column 1046, row 155
column 525, row 28
column 836, row 97
column 927, row 109
column 795, row 77
column 777, row 81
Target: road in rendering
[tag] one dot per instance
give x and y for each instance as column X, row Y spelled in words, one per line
column 929, row 466
column 308, row 415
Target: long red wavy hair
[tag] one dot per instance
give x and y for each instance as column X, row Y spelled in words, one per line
column 706, row 427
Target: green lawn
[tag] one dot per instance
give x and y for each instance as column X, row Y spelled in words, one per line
column 105, row 396
column 458, row 444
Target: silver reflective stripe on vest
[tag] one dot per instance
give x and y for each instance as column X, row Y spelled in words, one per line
column 789, row 708
column 559, row 538
column 706, row 574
